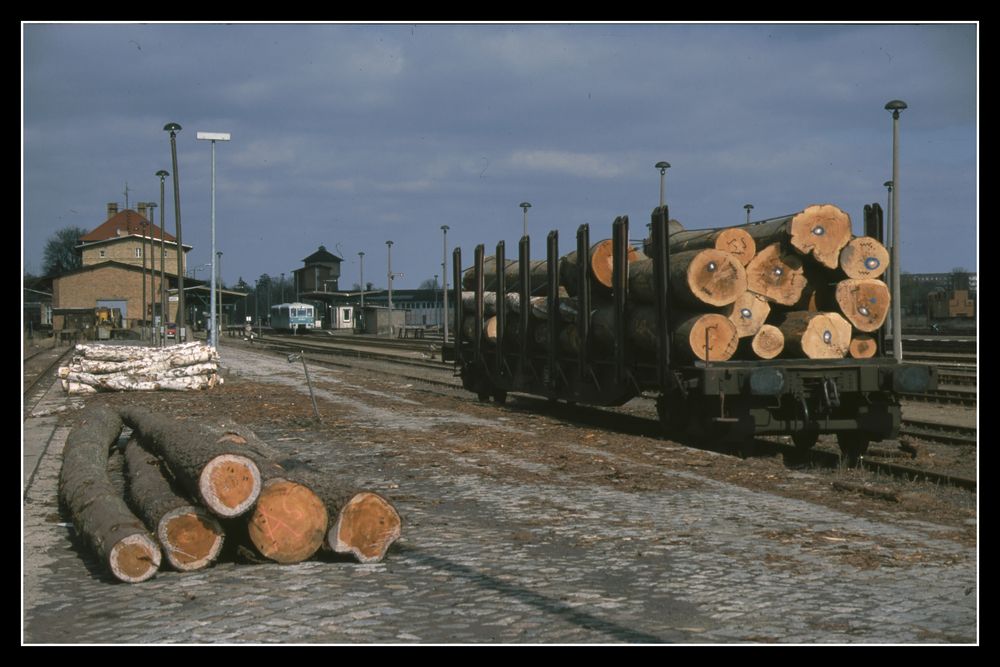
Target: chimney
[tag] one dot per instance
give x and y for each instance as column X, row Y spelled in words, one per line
column 112, row 209
column 142, row 210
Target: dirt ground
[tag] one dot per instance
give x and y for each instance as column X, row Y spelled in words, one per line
column 527, row 437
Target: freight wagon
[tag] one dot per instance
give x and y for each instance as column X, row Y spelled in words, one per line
column 611, row 359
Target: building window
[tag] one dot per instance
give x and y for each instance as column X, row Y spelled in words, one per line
column 102, row 253
column 138, row 252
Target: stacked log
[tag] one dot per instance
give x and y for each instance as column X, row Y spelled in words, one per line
column 189, row 366
column 799, row 285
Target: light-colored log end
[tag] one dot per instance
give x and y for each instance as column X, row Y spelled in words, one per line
column 864, row 257
column 368, row 524
column 602, row 261
column 823, row 230
column 768, row 342
column 865, row 303
column 863, row 346
column 190, row 537
column 135, row 558
column 229, row 485
column 737, row 242
column 289, row 523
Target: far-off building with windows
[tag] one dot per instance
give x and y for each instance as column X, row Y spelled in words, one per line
column 113, row 255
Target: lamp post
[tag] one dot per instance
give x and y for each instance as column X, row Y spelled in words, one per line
column 163, row 173
column 282, row 287
column 217, row 280
column 361, row 258
column 444, row 280
column 525, row 205
column 748, row 207
column 895, row 106
column 173, row 128
column 152, row 258
column 388, row 245
column 888, row 207
column 143, row 226
column 663, row 166
column 213, row 137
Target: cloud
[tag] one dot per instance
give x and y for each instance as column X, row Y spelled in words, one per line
column 564, row 162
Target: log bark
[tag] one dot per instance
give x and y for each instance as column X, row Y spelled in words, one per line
column 512, row 275
column 768, row 342
column 489, row 302
column 361, row 522
column 821, row 230
column 701, row 277
column 191, row 538
column 816, row 335
column 100, row 515
column 213, row 471
column 734, row 240
column 864, row 257
column 130, row 353
column 601, row 267
column 863, row 346
column 748, row 313
column 776, row 275
column 865, row 303
column 711, row 329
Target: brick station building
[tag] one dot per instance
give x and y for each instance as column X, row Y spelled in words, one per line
column 112, row 273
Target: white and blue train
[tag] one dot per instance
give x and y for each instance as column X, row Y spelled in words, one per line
column 293, row 316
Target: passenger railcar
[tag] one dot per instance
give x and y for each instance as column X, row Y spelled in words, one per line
column 293, row 316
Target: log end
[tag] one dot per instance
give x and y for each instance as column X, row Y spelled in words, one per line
column 135, row 558
column 289, row 522
column 768, row 342
column 716, row 277
column 602, row 261
column 737, row 242
column 865, row 303
column 368, row 524
column 229, row 485
column 191, row 538
column 709, row 337
column 776, row 275
column 864, row 257
column 863, row 346
column 823, row 230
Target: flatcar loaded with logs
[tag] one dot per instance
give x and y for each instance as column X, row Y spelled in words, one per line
column 770, row 328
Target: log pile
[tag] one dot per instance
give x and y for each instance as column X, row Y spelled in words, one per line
column 94, row 368
column 795, row 286
column 187, row 486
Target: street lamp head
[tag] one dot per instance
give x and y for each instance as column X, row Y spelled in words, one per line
column 163, row 173
column 748, row 206
column 172, row 128
column 525, row 205
column 361, row 254
column 888, row 184
column 151, row 204
column 663, row 166
column 389, row 243
column 445, row 228
column 895, row 106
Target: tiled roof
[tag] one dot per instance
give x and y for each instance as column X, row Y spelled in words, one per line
column 124, row 223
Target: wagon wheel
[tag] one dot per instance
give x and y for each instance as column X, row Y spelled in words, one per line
column 500, row 396
column 853, row 446
column 805, row 440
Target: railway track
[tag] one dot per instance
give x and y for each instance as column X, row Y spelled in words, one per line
column 948, row 434
column 622, row 420
column 39, row 373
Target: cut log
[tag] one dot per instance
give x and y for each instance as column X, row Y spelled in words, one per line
column 748, row 313
column 489, row 302
column 601, row 266
column 821, row 230
column 537, row 268
column 700, row 277
column 864, row 257
column 768, row 342
column 865, row 303
column 734, row 240
column 489, row 328
column 362, row 523
column 776, row 275
column 191, row 538
column 708, row 337
column 100, row 515
column 673, row 227
column 215, row 472
column 863, row 346
column 816, row 335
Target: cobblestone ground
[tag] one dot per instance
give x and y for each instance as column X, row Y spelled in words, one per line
column 489, row 557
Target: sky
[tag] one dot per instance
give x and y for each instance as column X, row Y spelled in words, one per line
column 351, row 135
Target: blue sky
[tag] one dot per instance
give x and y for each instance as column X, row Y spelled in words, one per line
column 349, row 135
